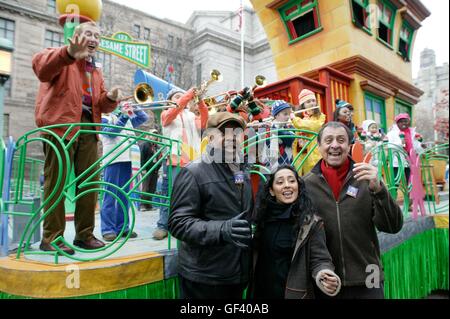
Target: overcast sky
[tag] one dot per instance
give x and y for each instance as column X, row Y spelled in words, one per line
column 433, row 34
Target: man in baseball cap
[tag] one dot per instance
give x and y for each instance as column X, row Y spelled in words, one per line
column 219, row 119
column 210, row 216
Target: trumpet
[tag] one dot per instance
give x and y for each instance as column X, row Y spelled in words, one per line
column 260, row 80
column 219, row 100
column 270, row 119
column 215, row 76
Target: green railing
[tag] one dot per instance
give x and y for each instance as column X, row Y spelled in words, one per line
column 86, row 182
column 257, row 143
column 26, row 173
column 436, row 153
column 2, row 172
column 33, row 169
column 384, row 156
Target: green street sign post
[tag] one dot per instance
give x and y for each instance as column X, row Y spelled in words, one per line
column 122, row 45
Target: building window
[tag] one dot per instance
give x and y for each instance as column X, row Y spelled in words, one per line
column 7, row 29
column 170, row 41
column 178, row 72
column 404, row 45
column 51, row 6
column 386, row 18
column 199, row 74
column 53, row 39
column 402, row 107
column 137, row 31
column 301, row 19
column 146, row 34
column 360, row 14
column 7, row 87
column 5, row 125
column 179, row 43
column 375, row 110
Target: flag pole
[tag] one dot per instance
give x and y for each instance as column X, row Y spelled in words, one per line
column 242, row 43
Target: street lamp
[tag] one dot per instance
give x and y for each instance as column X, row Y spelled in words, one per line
column 6, row 49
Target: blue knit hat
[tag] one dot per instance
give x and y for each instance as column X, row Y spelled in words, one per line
column 342, row 103
column 174, row 91
column 278, row 106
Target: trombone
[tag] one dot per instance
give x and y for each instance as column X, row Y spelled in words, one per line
column 143, row 94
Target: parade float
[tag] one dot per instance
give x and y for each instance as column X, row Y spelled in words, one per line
column 360, row 51
column 325, row 46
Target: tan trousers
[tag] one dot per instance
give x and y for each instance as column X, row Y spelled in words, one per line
column 83, row 153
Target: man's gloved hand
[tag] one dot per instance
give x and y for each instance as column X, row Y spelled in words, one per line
column 237, row 231
column 242, row 95
column 236, row 102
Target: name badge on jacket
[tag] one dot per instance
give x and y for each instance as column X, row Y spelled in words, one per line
column 352, row 191
column 239, row 178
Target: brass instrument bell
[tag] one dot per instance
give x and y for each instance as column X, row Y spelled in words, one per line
column 260, row 80
column 216, row 76
column 143, row 93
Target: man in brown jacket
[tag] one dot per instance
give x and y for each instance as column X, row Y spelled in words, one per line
column 71, row 91
column 353, row 204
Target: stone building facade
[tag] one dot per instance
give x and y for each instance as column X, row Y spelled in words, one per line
column 216, row 44
column 433, row 80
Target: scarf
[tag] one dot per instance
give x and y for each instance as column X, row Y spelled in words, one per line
column 335, row 176
column 408, row 139
column 277, row 211
column 87, row 86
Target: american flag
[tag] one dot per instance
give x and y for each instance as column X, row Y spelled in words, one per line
column 240, row 12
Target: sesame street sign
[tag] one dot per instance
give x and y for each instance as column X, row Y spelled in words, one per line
column 122, row 45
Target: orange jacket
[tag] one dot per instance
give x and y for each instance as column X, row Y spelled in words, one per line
column 169, row 115
column 59, row 100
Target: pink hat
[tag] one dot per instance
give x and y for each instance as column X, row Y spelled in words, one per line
column 305, row 95
column 402, row 116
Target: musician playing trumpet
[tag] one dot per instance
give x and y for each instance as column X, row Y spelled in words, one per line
column 249, row 111
column 312, row 120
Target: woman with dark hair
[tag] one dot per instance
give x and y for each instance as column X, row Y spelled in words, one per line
column 291, row 255
column 344, row 114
